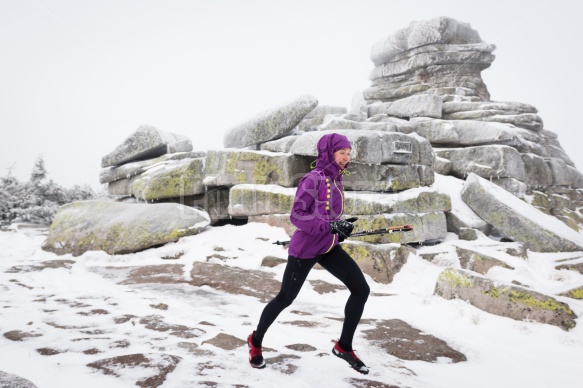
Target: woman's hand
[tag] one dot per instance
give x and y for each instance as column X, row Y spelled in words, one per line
column 341, row 228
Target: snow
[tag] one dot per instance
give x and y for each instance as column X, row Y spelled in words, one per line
column 501, row 351
column 275, row 189
column 453, row 186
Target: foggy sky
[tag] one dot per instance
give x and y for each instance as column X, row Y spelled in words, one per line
column 78, row 77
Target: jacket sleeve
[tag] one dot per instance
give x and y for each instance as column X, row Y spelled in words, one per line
column 303, row 214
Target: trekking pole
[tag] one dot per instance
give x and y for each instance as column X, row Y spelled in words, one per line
column 390, row 229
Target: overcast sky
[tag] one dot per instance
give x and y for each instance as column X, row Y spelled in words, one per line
column 78, row 77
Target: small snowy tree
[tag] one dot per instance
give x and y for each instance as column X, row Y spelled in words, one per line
column 11, row 193
column 37, row 200
column 39, row 172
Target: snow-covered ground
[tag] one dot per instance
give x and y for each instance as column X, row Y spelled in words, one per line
column 74, row 308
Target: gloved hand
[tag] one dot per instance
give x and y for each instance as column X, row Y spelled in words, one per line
column 341, row 228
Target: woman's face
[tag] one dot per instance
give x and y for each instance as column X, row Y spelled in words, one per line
column 342, row 157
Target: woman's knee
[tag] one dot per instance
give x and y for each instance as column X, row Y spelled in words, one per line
column 285, row 299
column 362, row 291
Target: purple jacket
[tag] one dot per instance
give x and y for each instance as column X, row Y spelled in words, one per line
column 319, row 199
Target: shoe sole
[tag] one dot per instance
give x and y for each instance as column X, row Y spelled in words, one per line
column 363, row 370
column 256, row 366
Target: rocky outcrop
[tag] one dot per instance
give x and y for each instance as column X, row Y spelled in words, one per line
column 442, row 59
column 118, row 228
column 518, row 220
column 503, row 299
column 427, row 111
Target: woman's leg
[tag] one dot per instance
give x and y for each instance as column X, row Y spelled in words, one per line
column 343, row 267
column 294, row 276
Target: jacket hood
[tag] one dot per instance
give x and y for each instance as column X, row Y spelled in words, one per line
column 327, row 145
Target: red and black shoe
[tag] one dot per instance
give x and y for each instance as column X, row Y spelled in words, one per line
column 354, row 362
column 255, row 357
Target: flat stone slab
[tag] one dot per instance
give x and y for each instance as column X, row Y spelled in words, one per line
column 517, row 219
column 253, row 200
column 401, row 340
column 231, row 167
column 269, row 124
column 118, row 228
column 145, row 369
column 146, row 142
column 489, row 161
column 234, row 280
column 388, row 177
column 280, row 145
column 169, row 180
column 480, row 262
column 504, row 299
column 425, row 105
column 529, row 121
column 128, row 170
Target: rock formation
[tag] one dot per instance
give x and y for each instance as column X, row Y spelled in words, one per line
column 426, row 117
column 427, row 111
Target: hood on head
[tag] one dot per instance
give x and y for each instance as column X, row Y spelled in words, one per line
column 327, row 145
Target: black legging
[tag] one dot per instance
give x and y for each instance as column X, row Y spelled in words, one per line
column 339, row 264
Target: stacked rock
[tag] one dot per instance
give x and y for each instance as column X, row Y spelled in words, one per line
column 156, row 166
column 439, row 56
column 429, row 75
column 150, row 165
column 427, row 111
column 390, row 175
